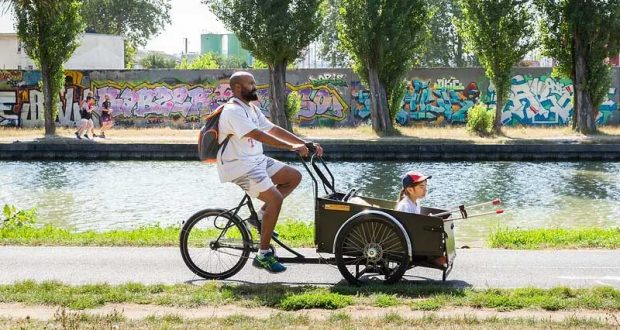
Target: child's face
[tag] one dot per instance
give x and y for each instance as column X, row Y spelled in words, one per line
column 418, row 191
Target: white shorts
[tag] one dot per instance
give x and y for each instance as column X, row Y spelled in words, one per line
column 258, row 179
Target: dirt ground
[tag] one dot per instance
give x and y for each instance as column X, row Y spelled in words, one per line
column 422, row 134
column 137, row 312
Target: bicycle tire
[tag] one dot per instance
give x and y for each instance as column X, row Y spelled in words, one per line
column 205, row 228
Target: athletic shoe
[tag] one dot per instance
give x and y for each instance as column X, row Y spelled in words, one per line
column 77, row 135
column 86, row 136
column 268, row 262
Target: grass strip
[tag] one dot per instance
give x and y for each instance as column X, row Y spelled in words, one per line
column 555, row 238
column 297, row 233
column 337, row 320
column 415, row 295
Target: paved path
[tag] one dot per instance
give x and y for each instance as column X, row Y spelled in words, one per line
column 480, row 268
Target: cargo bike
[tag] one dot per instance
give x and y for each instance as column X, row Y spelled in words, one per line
column 365, row 237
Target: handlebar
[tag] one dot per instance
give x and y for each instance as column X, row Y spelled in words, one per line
column 327, row 183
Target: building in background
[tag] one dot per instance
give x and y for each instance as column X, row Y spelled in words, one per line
column 224, row 44
column 311, row 58
column 96, row 52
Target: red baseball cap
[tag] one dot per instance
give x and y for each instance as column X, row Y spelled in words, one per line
column 414, row 177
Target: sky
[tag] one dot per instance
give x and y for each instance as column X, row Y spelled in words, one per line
column 189, row 19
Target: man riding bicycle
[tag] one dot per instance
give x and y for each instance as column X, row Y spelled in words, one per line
column 242, row 161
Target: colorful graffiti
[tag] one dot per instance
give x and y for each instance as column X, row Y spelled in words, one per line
column 161, row 103
column 318, row 102
column 544, row 100
column 329, row 79
column 360, row 101
column 536, row 100
column 328, row 99
column 446, row 100
column 608, row 107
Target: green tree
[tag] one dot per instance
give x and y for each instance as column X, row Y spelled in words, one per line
column 446, row 48
column 136, row 20
column 383, row 38
column 50, row 32
column 158, row 61
column 331, row 48
column 275, row 32
column 233, row 62
column 580, row 35
column 205, row 61
column 498, row 32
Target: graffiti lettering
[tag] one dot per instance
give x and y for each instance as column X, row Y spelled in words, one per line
column 334, row 79
column 445, row 101
column 11, row 78
column 542, row 100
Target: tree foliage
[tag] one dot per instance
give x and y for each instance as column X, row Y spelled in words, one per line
column 580, row 35
column 157, row 61
column 136, row 20
column 384, row 38
column 204, row 61
column 331, row 48
column 50, row 32
column 446, row 48
column 275, row 32
column 212, row 60
column 498, row 32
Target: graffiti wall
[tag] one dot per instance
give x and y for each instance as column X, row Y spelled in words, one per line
column 442, row 100
column 335, row 97
column 535, row 98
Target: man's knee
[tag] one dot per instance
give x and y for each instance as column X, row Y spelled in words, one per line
column 295, row 177
column 287, row 176
column 271, row 197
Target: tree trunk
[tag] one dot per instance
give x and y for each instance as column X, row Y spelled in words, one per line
column 277, row 87
column 499, row 107
column 48, row 104
column 460, row 62
column 380, row 113
column 584, row 114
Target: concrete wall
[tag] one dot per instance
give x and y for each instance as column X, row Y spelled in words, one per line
column 330, row 97
column 96, row 52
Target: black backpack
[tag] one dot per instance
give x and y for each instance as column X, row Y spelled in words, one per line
column 208, row 145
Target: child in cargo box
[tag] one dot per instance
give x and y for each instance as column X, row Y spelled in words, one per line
column 413, row 190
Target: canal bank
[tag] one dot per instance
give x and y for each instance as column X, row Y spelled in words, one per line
column 336, row 149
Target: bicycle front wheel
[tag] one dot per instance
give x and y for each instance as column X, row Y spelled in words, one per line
column 215, row 244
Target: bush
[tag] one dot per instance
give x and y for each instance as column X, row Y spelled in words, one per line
column 13, row 218
column 480, row 120
column 293, row 105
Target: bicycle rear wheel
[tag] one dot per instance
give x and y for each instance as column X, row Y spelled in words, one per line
column 215, row 244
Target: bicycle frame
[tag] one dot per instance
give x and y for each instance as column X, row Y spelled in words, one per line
column 328, row 185
column 246, row 200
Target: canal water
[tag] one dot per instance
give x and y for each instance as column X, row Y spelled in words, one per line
column 126, row 194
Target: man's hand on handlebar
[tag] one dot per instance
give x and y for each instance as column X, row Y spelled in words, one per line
column 305, row 149
column 318, row 149
column 301, row 149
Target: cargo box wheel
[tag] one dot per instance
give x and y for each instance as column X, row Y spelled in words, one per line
column 371, row 247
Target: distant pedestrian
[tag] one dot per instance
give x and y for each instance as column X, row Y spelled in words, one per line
column 86, row 123
column 106, row 116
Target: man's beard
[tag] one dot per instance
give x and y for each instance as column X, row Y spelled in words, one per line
column 250, row 96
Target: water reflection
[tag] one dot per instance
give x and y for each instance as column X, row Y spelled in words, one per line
column 52, row 175
column 109, row 195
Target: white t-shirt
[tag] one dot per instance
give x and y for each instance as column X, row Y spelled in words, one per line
column 409, row 206
column 241, row 153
